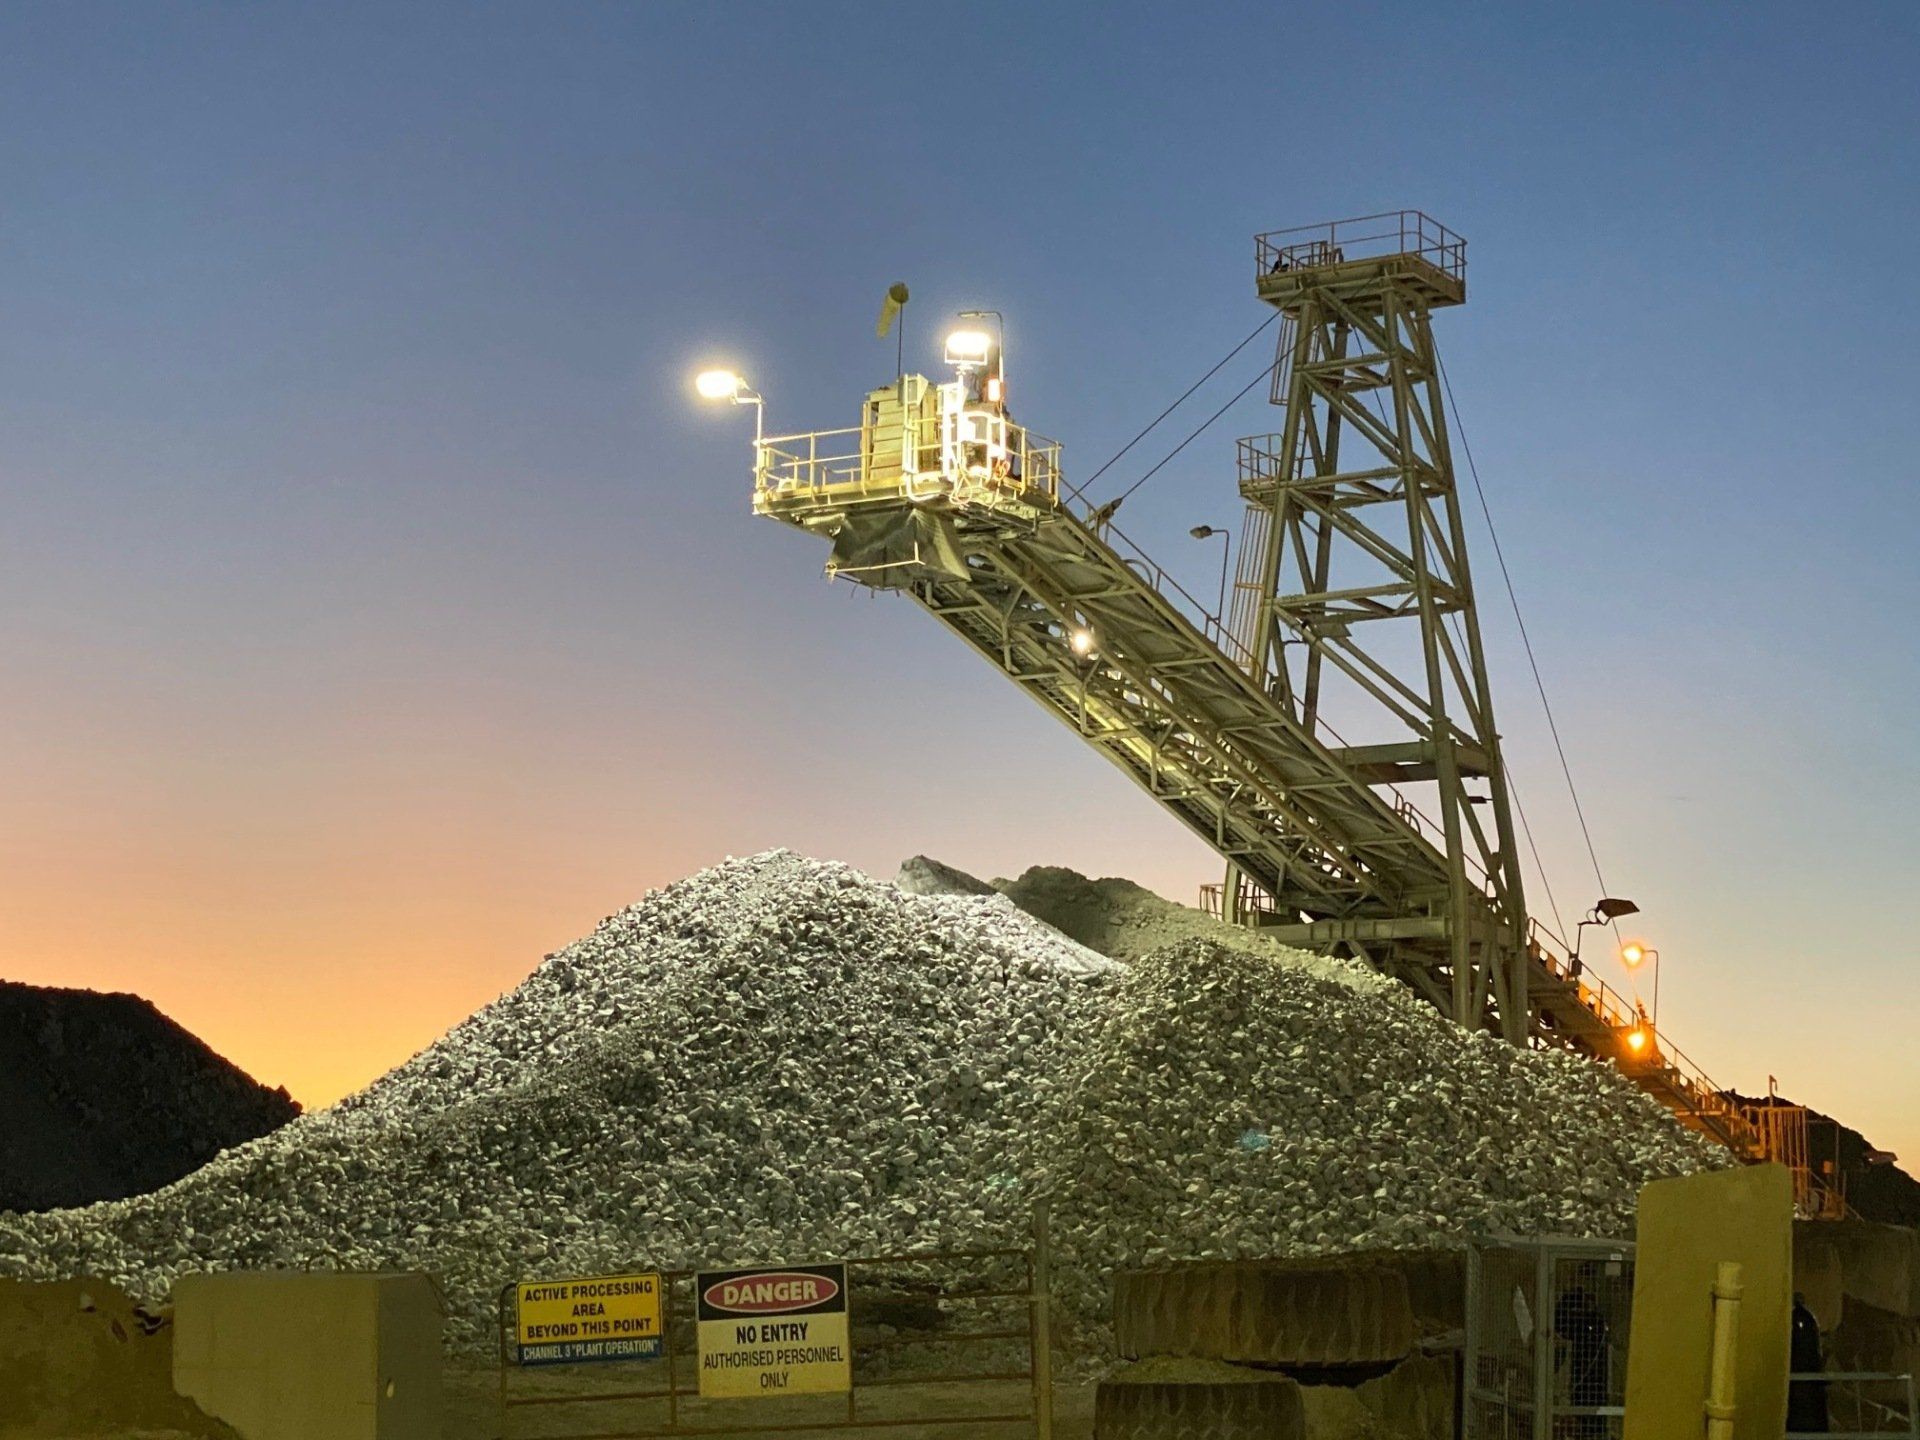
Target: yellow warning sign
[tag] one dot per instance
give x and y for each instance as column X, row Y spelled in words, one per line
column 599, row 1317
column 773, row 1332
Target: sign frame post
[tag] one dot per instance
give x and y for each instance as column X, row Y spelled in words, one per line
column 1040, row 1284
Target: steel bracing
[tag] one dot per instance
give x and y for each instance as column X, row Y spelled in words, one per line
column 1359, row 578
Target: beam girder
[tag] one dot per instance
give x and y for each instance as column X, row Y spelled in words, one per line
column 1167, row 707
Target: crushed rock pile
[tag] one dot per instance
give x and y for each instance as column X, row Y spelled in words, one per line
column 780, row 1059
column 1128, row 921
column 1116, row 917
column 104, row 1097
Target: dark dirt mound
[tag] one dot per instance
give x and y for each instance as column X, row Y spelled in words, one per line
column 79, row 1359
column 1875, row 1187
column 104, row 1097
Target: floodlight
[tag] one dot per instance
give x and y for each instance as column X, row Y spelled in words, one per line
column 968, row 347
column 718, row 384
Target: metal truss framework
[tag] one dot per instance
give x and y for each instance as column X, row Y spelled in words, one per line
column 1196, row 732
column 1358, row 570
column 1222, row 719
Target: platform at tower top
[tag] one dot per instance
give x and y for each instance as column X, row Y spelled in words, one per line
column 1357, row 255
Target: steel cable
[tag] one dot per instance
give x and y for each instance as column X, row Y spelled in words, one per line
column 1221, row 364
column 1265, row 371
column 1513, row 598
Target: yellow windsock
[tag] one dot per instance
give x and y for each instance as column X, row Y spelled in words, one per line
column 891, row 307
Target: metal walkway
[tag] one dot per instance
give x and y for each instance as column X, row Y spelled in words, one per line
column 1080, row 619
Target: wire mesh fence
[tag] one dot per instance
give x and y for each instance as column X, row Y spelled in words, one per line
column 1547, row 1324
column 1851, row 1405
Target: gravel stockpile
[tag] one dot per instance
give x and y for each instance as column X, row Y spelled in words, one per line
column 1116, row 917
column 780, row 1058
column 102, row 1096
column 923, row 875
column 1126, row 921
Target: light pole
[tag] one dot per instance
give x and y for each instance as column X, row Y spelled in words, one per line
column 1605, row 911
column 725, row 385
column 1633, row 955
column 1207, row 532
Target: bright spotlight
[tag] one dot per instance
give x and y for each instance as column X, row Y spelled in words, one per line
column 1082, row 641
column 1632, row 953
column 718, row 384
column 968, row 347
column 1636, row 1040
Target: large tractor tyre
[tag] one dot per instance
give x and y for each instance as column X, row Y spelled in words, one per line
column 1436, row 1287
column 1259, row 1410
column 1307, row 1316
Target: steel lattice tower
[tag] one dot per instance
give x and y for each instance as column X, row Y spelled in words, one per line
column 1354, row 604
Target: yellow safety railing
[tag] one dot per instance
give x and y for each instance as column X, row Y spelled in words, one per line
column 868, row 460
column 1395, row 232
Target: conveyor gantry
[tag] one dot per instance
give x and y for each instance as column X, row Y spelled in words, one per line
column 940, row 495
column 1088, row 626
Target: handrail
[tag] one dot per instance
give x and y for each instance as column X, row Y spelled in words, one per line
column 813, row 460
column 1682, row 1075
column 1391, row 232
column 1212, row 626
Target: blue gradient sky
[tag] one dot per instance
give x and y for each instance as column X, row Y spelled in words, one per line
column 378, row 609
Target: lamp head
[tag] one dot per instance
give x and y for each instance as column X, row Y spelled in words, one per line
column 718, row 385
column 1203, row 532
column 968, row 347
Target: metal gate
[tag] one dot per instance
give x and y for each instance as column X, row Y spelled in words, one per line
column 957, row 1339
column 1857, row 1405
column 1546, row 1354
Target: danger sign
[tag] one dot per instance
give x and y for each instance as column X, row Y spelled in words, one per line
column 599, row 1317
column 773, row 1332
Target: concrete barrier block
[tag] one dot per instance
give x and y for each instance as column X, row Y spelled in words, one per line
column 298, row 1355
column 80, row 1357
column 1879, row 1264
column 1817, row 1274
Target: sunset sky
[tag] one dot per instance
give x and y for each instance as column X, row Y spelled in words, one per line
column 379, row 608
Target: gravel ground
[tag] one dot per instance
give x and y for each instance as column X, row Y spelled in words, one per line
column 782, row 1058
